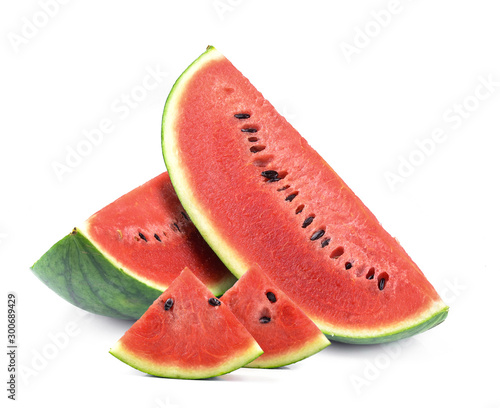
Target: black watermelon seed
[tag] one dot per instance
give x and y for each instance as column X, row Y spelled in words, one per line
column 307, row 222
column 185, row 215
column 381, row 284
column 291, row 197
column 214, row 301
column 270, row 174
column 242, row 116
column 317, row 235
column 348, row 265
column 273, row 180
column 176, row 226
column 271, row 296
column 265, row 319
column 370, row 277
column 157, row 237
column 169, row 303
column 325, row 242
column 141, row 236
column 249, row 130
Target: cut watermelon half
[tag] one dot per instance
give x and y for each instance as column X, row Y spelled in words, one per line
column 282, row 330
column 259, row 193
column 187, row 333
column 128, row 253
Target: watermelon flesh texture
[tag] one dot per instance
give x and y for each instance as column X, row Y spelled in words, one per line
column 259, row 193
column 128, row 253
column 282, row 330
column 194, row 338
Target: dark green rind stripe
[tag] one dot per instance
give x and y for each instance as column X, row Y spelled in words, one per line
column 402, row 334
column 78, row 272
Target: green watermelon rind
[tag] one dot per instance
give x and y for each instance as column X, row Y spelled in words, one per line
column 409, row 331
column 81, row 274
column 148, row 367
column 293, row 356
column 429, row 318
column 184, row 193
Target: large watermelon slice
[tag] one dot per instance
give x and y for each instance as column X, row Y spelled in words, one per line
column 125, row 255
column 258, row 193
column 282, row 330
column 187, row 333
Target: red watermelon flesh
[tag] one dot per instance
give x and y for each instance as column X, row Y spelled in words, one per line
column 282, row 330
column 259, row 193
column 150, row 235
column 187, row 333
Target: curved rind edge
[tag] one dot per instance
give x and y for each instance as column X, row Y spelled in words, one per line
column 307, row 350
column 228, row 255
column 78, row 272
column 421, row 327
column 148, row 367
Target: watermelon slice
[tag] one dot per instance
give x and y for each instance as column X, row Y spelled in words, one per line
column 258, row 193
column 125, row 255
column 187, row 333
column 283, row 331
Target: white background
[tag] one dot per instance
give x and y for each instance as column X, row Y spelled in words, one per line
column 365, row 110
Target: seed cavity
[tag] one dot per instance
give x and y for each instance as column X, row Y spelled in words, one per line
column 214, row 301
column 337, row 252
column 263, row 160
column 157, row 237
column 348, row 265
column 265, row 319
column 257, row 148
column 241, row 115
column 370, row 274
column 253, row 139
column 317, row 235
column 325, row 242
column 308, row 221
column 271, row 296
column 141, row 236
column 292, row 196
column 299, row 209
column 249, row 130
column 283, row 188
column 169, row 303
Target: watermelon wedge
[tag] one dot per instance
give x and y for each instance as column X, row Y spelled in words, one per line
column 125, row 255
column 187, row 333
column 282, row 330
column 259, row 193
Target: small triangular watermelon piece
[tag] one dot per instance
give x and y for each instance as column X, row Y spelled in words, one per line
column 281, row 328
column 187, row 333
